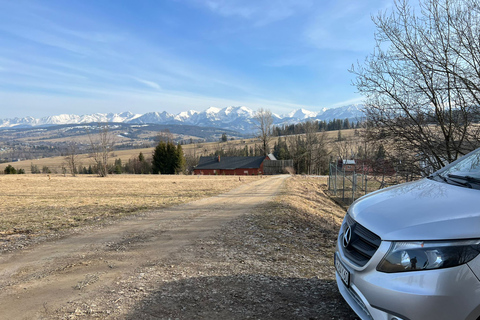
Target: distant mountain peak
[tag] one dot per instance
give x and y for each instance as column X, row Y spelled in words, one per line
column 301, row 114
column 212, row 110
column 238, row 118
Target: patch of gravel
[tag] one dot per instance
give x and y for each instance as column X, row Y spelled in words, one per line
column 276, row 263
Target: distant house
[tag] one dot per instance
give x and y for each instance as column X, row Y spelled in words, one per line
column 230, row 165
column 272, row 157
column 371, row 167
column 348, row 165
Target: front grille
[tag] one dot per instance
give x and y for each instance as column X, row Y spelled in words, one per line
column 362, row 244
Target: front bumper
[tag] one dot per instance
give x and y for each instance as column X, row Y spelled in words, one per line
column 449, row 294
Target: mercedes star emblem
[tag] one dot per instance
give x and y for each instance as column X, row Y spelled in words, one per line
column 347, row 237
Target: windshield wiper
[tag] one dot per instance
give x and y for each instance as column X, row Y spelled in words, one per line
column 449, row 180
column 464, row 178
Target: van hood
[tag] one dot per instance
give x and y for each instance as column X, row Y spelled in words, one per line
column 420, row 210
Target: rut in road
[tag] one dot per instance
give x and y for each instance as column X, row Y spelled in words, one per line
column 48, row 276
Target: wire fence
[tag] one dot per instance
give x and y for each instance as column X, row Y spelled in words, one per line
column 345, row 186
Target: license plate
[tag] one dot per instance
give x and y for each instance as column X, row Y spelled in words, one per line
column 342, row 271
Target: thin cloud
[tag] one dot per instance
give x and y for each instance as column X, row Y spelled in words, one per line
column 150, row 84
column 262, row 12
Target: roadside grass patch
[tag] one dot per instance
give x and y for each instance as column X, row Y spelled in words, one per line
column 32, row 204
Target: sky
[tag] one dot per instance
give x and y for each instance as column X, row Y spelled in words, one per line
column 89, row 56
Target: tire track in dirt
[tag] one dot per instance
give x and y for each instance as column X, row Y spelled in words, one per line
column 48, row 276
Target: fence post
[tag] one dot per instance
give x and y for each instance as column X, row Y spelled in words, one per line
column 366, row 184
column 335, row 187
column 354, row 185
column 329, row 175
column 343, row 189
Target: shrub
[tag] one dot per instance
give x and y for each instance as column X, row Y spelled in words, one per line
column 10, row 170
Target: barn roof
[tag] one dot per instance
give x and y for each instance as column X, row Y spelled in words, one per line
column 348, row 161
column 229, row 163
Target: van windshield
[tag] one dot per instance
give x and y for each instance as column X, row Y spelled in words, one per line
column 467, row 167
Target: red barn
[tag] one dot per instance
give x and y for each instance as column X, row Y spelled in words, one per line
column 230, row 165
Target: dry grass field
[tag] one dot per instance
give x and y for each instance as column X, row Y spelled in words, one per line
column 34, row 204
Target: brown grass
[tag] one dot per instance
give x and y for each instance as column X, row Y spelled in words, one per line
column 303, row 222
column 37, row 203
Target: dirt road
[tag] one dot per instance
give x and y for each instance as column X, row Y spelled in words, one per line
column 47, row 277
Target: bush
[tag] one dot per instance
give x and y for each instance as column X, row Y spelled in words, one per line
column 10, row 170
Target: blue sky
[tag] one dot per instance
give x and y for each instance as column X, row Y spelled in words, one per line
column 86, row 56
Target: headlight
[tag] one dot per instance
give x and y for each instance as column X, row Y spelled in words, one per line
column 428, row 255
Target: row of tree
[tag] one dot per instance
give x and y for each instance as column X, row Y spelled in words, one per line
column 167, row 158
column 11, row 170
column 309, row 151
column 319, row 126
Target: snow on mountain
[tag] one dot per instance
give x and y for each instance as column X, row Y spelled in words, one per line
column 234, row 118
column 68, row 119
column 153, row 117
column 19, row 122
column 123, row 117
column 301, row 114
column 183, row 116
column 351, row 112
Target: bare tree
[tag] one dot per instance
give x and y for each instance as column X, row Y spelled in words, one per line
column 320, row 154
column 165, row 136
column 101, row 145
column 422, row 83
column 71, row 158
column 264, row 123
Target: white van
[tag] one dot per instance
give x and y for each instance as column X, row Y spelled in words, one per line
column 412, row 251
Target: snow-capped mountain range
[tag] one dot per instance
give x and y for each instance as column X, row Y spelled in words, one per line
column 233, row 118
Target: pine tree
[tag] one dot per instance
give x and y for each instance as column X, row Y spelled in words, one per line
column 168, row 158
column 118, row 169
column 159, row 158
column 10, row 170
column 180, row 166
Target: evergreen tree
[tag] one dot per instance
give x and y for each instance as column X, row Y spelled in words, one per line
column 168, row 158
column 171, row 160
column 180, row 166
column 10, row 170
column 159, row 158
column 280, row 150
column 381, row 153
column 118, row 169
column 339, row 135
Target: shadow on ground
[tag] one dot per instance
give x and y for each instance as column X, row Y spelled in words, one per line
column 244, row 297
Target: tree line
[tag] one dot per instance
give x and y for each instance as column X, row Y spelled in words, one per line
column 167, row 158
column 318, row 126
